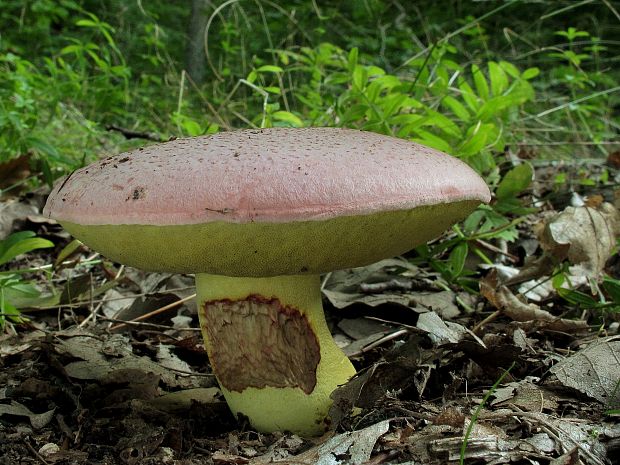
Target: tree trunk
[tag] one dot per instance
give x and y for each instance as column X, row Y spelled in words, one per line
column 195, row 58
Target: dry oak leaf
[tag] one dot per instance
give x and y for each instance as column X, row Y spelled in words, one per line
column 509, row 304
column 585, row 236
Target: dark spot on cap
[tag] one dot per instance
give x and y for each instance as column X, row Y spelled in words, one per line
column 138, row 193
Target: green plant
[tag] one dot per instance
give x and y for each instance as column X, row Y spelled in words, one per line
column 607, row 300
column 479, row 408
column 14, row 289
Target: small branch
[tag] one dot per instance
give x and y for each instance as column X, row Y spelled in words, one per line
column 131, row 134
column 154, row 312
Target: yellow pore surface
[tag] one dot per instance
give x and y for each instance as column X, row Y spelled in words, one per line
column 271, row 249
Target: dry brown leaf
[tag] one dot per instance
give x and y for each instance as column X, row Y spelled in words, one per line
column 351, row 448
column 37, row 420
column 585, row 236
column 504, row 300
column 11, row 211
column 594, row 371
column 13, row 171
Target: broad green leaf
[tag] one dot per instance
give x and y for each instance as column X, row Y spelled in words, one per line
column 480, row 81
column 510, row 69
column 19, row 243
column 457, row 107
column 477, row 137
column 269, row 69
column 530, row 73
column 67, row 251
column 71, row 49
column 391, row 104
column 375, row 71
column 360, row 77
column 469, row 96
column 86, row 23
column 192, row 128
column 252, row 75
column 577, row 298
column 43, row 147
column 407, row 119
column 430, row 139
column 612, row 287
column 288, row 117
column 8, row 311
column 515, row 181
column 352, row 59
column 443, row 123
column 457, row 258
column 273, row 90
column 499, row 80
column 493, row 107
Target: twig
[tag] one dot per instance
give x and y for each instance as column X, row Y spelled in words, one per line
column 391, row 285
column 492, row 248
column 35, row 453
column 131, row 134
column 154, row 312
column 378, row 342
column 93, row 313
column 547, row 426
column 145, row 324
column 488, row 319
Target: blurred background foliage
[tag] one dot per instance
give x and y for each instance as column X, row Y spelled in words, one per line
column 470, row 78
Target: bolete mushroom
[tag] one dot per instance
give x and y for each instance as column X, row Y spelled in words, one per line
column 258, row 215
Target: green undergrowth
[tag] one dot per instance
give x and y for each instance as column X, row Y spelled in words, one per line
column 489, row 82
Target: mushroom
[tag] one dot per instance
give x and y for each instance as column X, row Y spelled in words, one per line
column 258, row 215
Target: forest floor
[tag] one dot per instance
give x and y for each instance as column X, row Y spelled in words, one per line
column 444, row 375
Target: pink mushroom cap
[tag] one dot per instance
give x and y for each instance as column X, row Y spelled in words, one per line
column 269, row 177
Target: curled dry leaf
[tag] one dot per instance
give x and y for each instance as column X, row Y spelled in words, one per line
column 37, row 420
column 352, row 448
column 594, row 371
column 506, row 302
column 585, row 236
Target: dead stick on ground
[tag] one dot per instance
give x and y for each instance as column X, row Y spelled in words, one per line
column 155, row 312
column 131, row 134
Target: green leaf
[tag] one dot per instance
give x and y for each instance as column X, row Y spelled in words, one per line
column 457, row 258
column 432, row 140
column 480, row 81
column 510, row 69
column 612, row 287
column 456, row 107
column 469, row 96
column 191, row 127
column 352, row 59
column 443, row 123
column 67, row 251
column 476, row 140
column 86, row 23
column 530, row 73
column 273, row 90
column 71, row 49
column 19, row 243
column 514, row 182
column 252, row 76
column 269, row 69
column 499, row 80
column 360, row 77
column 577, row 298
column 288, row 117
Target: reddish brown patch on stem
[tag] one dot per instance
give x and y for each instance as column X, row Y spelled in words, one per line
column 258, row 342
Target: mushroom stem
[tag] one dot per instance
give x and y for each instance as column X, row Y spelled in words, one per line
column 271, row 350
